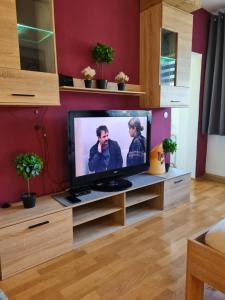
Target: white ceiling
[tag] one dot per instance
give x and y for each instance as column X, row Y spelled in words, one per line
column 213, row 5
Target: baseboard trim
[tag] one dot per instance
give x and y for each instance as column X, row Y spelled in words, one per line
column 213, row 177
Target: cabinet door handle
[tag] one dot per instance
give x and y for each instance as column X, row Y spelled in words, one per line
column 23, row 95
column 178, row 181
column 175, row 101
column 39, row 224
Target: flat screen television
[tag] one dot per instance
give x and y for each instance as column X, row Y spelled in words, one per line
column 106, row 146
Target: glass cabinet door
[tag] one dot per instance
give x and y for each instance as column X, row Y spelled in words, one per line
column 168, row 58
column 36, row 35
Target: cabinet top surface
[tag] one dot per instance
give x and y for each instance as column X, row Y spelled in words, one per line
column 173, row 173
column 138, row 181
column 17, row 213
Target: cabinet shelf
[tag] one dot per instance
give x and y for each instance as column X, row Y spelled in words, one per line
column 131, row 89
column 33, row 34
column 93, row 211
column 95, row 229
column 99, row 91
column 140, row 212
column 136, row 197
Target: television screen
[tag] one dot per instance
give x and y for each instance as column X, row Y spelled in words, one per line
column 107, row 143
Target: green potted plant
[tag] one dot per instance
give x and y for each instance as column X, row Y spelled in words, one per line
column 102, row 54
column 121, row 78
column 89, row 74
column 169, row 146
column 28, row 165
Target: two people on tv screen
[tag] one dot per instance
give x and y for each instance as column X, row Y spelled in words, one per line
column 106, row 153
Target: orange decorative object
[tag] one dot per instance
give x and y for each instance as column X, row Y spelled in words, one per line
column 157, row 160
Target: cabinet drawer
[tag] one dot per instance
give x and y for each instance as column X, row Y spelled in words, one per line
column 174, row 96
column 30, row 243
column 176, row 190
column 19, row 87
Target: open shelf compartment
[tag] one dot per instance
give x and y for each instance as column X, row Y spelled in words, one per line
column 140, row 212
column 92, row 230
column 94, row 210
column 142, row 195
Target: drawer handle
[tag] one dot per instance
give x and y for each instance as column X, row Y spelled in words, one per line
column 39, row 224
column 178, row 181
column 23, row 95
column 175, row 101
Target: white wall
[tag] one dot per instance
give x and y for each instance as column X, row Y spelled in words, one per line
column 215, row 160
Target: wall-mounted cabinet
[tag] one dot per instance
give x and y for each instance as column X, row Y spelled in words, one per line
column 165, row 59
column 28, row 71
column 186, row 5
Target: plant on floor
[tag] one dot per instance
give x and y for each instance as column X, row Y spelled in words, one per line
column 102, row 54
column 169, row 146
column 28, row 165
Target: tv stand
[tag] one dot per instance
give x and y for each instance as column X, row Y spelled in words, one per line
column 113, row 185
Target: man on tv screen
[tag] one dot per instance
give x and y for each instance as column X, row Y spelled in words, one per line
column 105, row 154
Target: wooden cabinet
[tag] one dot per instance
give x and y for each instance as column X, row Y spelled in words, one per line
column 27, row 46
column 186, row 5
column 165, row 56
column 27, row 239
column 176, row 187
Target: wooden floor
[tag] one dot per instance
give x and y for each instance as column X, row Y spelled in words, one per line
column 145, row 261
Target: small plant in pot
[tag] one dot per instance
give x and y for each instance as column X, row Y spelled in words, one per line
column 102, row 54
column 28, row 165
column 89, row 74
column 121, row 79
column 169, row 146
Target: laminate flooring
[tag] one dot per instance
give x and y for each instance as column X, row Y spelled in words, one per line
column 145, row 261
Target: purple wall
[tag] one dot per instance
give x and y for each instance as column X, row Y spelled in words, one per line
column 79, row 26
column 200, row 38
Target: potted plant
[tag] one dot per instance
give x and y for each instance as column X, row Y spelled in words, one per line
column 169, row 146
column 102, row 54
column 88, row 73
column 28, row 165
column 121, row 78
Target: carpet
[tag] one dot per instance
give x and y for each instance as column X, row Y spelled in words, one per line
column 3, row 295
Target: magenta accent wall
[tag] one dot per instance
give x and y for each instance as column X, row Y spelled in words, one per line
column 199, row 44
column 79, row 25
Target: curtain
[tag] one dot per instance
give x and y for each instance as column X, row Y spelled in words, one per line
column 213, row 119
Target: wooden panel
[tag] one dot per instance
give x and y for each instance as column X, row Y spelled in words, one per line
column 181, row 22
column 186, row 5
column 92, row 211
column 45, row 205
column 28, row 88
column 174, row 96
column 138, row 197
column 151, row 22
column 204, row 264
column 176, row 190
column 9, row 47
column 23, row 246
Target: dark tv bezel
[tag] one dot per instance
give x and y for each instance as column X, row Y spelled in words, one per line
column 78, row 182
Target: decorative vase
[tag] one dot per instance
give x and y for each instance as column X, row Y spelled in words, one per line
column 88, row 83
column 101, row 83
column 29, row 200
column 121, row 86
column 167, row 165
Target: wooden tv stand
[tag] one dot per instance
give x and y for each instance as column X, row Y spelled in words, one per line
column 31, row 236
